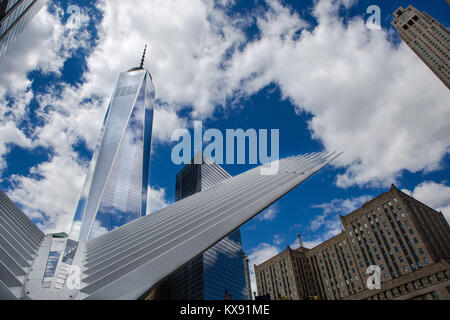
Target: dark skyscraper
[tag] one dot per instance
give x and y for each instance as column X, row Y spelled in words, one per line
column 219, row 269
column 15, row 15
column 131, row 260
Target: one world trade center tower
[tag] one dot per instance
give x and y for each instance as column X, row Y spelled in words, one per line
column 115, row 190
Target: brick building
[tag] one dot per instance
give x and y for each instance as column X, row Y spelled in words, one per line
column 409, row 241
column 427, row 38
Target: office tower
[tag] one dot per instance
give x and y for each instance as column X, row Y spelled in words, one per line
column 429, row 40
column 408, row 240
column 286, row 276
column 115, row 190
column 248, row 285
column 15, row 15
column 131, row 260
column 220, row 269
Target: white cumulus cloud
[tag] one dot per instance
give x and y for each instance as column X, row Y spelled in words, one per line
column 258, row 255
column 435, row 195
column 361, row 90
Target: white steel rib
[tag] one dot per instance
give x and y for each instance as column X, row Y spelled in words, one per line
column 126, row 262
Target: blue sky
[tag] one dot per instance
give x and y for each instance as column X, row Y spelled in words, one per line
column 309, row 68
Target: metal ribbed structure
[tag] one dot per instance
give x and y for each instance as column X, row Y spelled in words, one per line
column 19, row 242
column 126, row 262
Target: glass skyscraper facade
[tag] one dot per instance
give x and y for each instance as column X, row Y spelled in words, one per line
column 220, row 269
column 115, row 190
column 15, row 15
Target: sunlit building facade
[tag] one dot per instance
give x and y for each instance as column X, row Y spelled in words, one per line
column 427, row 38
column 115, row 190
column 406, row 239
column 15, row 16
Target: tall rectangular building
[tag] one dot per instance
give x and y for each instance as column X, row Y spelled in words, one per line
column 115, row 190
column 429, row 40
column 248, row 284
column 219, row 271
column 287, row 276
column 407, row 240
column 15, row 15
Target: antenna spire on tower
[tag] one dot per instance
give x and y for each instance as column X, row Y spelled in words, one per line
column 143, row 58
column 300, row 242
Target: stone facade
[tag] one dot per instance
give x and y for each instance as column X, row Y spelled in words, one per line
column 406, row 239
column 427, row 38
